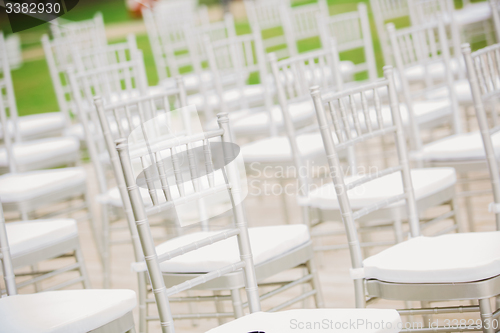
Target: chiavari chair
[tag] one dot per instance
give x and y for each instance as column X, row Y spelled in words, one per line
column 29, row 126
column 417, row 269
column 77, row 311
column 193, row 177
column 32, row 154
column 292, row 251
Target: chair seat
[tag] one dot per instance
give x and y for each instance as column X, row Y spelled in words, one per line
column 436, row 71
column 37, row 125
column 425, row 183
column 68, row 311
column 458, row 147
column 254, row 92
column 277, row 149
column 41, row 150
column 473, row 13
column 315, row 321
column 246, row 122
column 30, row 236
column 462, row 91
column 266, row 243
column 17, row 187
column 451, row 258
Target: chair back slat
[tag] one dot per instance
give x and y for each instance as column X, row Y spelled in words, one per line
column 484, row 76
column 341, row 188
column 5, row 258
column 147, row 145
column 424, row 46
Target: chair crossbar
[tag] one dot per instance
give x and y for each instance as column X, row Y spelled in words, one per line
column 184, row 199
column 378, row 205
column 177, row 141
column 205, row 278
column 198, row 244
column 327, row 97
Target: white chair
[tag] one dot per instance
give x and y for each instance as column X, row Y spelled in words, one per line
column 87, row 33
column 33, row 154
column 77, row 311
column 31, row 126
column 483, row 75
column 14, row 52
column 417, row 269
column 229, row 257
column 463, row 151
column 289, row 249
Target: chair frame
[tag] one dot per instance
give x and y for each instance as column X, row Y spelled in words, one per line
column 426, row 292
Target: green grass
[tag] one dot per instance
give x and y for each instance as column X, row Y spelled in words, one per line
column 33, row 86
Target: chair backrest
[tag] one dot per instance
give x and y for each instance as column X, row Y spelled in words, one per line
column 84, row 60
column 232, row 61
column 5, row 258
column 163, row 165
column 346, row 119
column 351, row 32
column 484, row 77
column 270, row 19
column 303, row 21
column 425, row 46
column 385, row 11
column 87, row 33
column 7, row 91
column 175, row 42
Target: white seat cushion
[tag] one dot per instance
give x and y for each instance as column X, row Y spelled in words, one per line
column 425, row 183
column 266, row 243
column 250, row 92
column 457, row 258
column 38, row 124
column 244, row 121
column 16, row 187
column 436, row 71
column 40, row 150
column 462, row 91
column 315, row 321
column 277, row 149
column 68, row 311
column 28, row 236
column 474, row 12
column 466, row 146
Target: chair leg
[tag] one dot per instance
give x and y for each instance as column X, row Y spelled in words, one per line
column 38, row 285
column 142, row 291
column 427, row 318
column 237, row 303
column 219, row 307
column 468, row 203
column 456, row 217
column 315, row 283
column 91, row 219
column 82, row 267
column 106, row 253
column 283, row 201
column 486, row 315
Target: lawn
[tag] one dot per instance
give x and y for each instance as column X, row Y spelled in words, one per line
column 33, row 87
